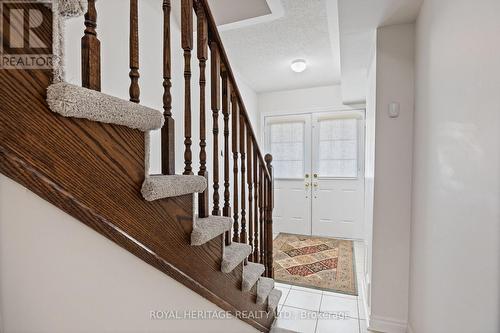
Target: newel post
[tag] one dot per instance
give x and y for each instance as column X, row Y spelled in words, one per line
column 269, row 220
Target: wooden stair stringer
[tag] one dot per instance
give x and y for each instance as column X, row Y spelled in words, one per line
column 94, row 172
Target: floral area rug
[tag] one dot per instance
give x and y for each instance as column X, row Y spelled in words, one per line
column 315, row 262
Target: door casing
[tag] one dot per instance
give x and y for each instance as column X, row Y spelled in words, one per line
column 315, row 205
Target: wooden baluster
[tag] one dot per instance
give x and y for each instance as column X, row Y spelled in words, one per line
column 243, row 234
column 215, row 82
column 234, row 128
column 226, row 210
column 269, row 225
column 168, row 130
column 187, row 46
column 91, row 50
column 264, row 204
column 261, row 212
column 255, row 202
column 250, row 192
column 134, row 90
column 202, row 37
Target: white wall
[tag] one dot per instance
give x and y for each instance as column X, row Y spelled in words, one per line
column 389, row 269
column 316, row 99
column 58, row 275
column 300, row 100
column 455, row 260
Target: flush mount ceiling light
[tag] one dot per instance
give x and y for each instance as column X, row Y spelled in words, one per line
column 298, row 65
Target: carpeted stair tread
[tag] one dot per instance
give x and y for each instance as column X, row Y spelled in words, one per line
column 208, row 228
column 72, row 8
column 264, row 287
column 160, row 187
column 273, row 299
column 234, row 255
column 280, row 330
column 251, row 273
column 69, row 100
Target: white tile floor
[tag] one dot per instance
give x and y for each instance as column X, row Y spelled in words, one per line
column 309, row 310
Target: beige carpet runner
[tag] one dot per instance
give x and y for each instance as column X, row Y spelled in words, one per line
column 315, row 262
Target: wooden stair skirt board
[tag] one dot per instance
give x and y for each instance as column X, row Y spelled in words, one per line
column 53, row 156
column 86, row 153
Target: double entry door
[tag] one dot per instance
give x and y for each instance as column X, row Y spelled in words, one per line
column 319, row 173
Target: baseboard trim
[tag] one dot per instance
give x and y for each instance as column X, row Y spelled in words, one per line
column 364, row 296
column 387, row 325
column 410, row 330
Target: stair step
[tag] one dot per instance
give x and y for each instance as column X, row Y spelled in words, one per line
column 280, row 330
column 208, row 228
column 264, row 287
column 251, row 273
column 69, row 100
column 160, row 187
column 234, row 255
column 273, row 299
column 72, row 8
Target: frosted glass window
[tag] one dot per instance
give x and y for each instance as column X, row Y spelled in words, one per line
column 338, row 148
column 287, row 147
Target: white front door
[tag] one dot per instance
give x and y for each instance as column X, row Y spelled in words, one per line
column 289, row 141
column 318, row 170
column 338, row 174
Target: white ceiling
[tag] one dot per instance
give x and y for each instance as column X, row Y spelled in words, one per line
column 231, row 11
column 261, row 52
column 358, row 21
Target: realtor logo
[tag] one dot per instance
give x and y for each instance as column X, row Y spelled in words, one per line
column 26, row 34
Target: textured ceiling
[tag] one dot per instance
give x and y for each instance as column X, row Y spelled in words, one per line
column 262, row 53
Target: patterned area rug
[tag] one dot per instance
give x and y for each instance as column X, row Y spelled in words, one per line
column 315, row 262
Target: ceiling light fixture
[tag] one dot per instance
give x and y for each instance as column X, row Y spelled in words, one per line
column 298, row 65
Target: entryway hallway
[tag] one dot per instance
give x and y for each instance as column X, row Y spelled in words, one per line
column 310, row 310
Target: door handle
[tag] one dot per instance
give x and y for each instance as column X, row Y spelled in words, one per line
column 315, row 192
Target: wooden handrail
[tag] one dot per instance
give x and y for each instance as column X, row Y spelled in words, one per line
column 214, row 36
column 252, row 177
column 253, row 229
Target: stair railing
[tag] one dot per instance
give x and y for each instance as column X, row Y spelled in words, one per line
column 250, row 203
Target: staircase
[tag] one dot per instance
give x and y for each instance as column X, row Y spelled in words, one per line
column 87, row 153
